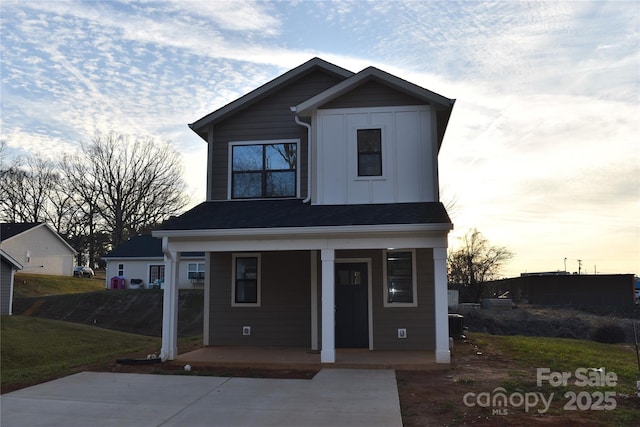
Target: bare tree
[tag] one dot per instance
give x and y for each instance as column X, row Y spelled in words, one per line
column 476, row 262
column 27, row 186
column 131, row 185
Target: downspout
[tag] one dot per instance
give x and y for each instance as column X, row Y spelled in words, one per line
column 308, row 126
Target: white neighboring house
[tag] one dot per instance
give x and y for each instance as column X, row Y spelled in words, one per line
column 38, row 248
column 8, row 267
column 141, row 259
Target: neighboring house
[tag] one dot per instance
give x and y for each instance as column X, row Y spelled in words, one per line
column 566, row 289
column 8, row 267
column 322, row 227
column 141, row 258
column 38, row 248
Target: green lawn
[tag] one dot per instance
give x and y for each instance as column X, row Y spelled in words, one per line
column 36, row 350
column 35, row 285
column 566, row 356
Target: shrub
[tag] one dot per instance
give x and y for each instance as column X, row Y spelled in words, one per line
column 609, row 334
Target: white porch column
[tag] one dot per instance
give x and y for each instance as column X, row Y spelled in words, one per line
column 314, row 300
column 328, row 352
column 441, row 305
column 170, row 303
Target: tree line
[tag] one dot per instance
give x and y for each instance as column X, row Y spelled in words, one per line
column 110, row 189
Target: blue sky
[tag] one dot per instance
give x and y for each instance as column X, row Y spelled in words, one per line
column 542, row 153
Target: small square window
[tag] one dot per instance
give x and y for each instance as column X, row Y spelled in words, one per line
column 369, row 152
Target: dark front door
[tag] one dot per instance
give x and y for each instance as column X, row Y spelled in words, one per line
column 352, row 319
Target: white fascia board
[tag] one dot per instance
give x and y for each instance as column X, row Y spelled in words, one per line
column 304, row 231
column 10, row 260
column 130, row 258
column 310, row 238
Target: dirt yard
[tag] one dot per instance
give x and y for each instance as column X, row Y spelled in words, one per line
column 438, row 398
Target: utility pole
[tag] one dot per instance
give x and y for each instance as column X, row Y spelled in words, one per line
column 579, row 266
column 565, row 264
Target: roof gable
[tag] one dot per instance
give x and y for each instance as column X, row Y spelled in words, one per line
column 10, row 259
column 145, row 246
column 11, row 230
column 305, row 108
column 442, row 104
column 265, row 90
column 138, row 247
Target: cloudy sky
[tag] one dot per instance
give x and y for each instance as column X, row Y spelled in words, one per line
column 542, row 153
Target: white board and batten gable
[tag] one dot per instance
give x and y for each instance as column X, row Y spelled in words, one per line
column 406, row 148
column 403, row 116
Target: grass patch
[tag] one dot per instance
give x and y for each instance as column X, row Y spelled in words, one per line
column 35, row 285
column 566, row 355
column 36, row 350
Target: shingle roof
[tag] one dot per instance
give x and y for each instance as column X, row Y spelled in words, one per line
column 10, row 229
column 293, row 213
column 143, row 247
column 265, row 90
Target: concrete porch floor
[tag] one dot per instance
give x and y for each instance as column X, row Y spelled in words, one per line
column 301, row 358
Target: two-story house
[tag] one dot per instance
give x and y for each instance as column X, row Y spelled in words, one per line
column 322, row 227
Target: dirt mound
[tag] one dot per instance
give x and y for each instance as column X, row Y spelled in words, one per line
column 559, row 322
column 134, row 311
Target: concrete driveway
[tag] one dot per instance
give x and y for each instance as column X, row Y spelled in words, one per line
column 334, row 397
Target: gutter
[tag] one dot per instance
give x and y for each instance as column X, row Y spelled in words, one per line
column 308, row 126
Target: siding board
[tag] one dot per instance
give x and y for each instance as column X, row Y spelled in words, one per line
column 284, row 317
column 269, row 118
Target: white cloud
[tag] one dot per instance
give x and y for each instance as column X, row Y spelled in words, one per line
column 547, row 95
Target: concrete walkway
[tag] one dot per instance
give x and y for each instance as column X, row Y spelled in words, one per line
column 334, row 397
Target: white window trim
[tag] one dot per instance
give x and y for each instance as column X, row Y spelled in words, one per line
column 383, row 153
column 262, row 142
column 200, row 268
column 233, row 279
column 414, row 279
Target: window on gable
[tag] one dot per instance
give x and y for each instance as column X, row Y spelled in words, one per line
column 400, row 278
column 246, row 280
column 264, row 170
column 369, row 152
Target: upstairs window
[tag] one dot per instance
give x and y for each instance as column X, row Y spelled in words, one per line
column 264, row 170
column 369, row 152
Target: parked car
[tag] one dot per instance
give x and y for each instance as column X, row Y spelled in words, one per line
column 81, row 271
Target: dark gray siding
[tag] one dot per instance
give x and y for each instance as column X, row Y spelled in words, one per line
column 419, row 321
column 5, row 286
column 270, row 118
column 372, row 94
column 284, row 317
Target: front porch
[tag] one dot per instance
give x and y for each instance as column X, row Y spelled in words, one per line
column 301, row 358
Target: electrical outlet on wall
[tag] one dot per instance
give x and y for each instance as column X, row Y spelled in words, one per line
column 246, row 330
column 402, row 332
